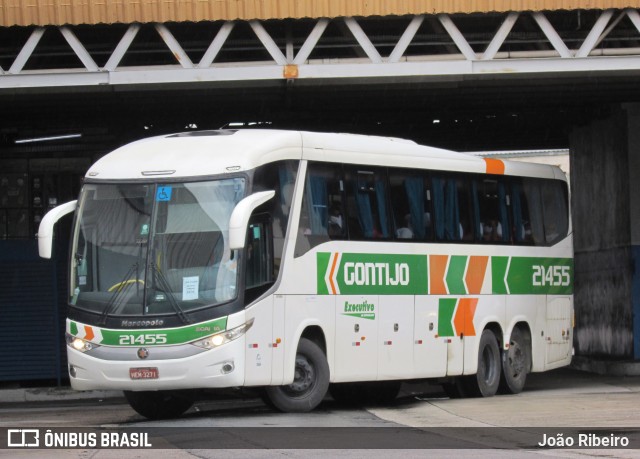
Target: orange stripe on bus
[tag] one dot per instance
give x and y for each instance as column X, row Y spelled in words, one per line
column 475, row 274
column 88, row 333
column 463, row 320
column 334, row 290
column 437, row 271
column 494, row 166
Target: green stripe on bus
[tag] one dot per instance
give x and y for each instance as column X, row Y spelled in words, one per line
column 323, row 261
column 498, row 271
column 382, row 274
column 394, row 274
column 446, row 308
column 529, row 275
column 455, row 275
column 167, row 336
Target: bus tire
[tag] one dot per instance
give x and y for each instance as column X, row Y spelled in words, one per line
column 486, row 381
column 310, row 384
column 516, row 362
column 161, row 404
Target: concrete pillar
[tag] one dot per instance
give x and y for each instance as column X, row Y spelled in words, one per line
column 633, row 136
column 604, row 259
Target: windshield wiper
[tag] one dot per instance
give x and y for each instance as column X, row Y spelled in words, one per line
column 164, row 285
column 119, row 291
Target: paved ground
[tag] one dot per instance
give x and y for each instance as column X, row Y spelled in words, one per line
column 562, row 399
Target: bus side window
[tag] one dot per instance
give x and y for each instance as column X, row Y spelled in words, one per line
column 556, row 219
column 530, row 205
column 367, row 210
column 453, row 210
column 322, row 216
column 259, row 274
column 280, row 177
column 411, row 210
column 492, row 210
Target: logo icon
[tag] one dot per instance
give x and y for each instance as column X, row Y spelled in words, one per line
column 143, row 353
column 23, row 438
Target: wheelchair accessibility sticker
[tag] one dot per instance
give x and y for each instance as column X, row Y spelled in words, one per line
column 163, row 193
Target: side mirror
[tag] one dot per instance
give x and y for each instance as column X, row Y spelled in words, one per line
column 45, row 230
column 240, row 217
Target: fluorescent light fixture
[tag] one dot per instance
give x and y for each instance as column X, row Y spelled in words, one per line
column 49, row 138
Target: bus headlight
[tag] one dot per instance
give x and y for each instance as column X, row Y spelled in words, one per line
column 79, row 344
column 224, row 337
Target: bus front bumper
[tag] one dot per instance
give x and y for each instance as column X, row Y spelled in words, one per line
column 215, row 368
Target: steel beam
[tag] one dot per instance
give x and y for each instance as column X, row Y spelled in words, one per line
column 122, row 48
column 27, row 50
column 216, row 45
column 268, row 43
column 406, row 38
column 174, row 46
column 460, row 60
column 363, row 40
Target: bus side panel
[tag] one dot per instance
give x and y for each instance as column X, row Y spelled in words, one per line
column 258, row 365
column 430, row 350
column 395, row 337
column 301, row 312
column 356, row 338
column 559, row 335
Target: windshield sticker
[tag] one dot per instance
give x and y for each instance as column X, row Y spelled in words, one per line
column 164, row 193
column 190, row 288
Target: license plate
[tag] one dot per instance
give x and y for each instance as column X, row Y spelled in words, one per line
column 143, row 373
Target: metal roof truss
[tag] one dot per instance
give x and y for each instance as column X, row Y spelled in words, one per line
column 413, row 46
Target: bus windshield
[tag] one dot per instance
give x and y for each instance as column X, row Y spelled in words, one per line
column 154, row 249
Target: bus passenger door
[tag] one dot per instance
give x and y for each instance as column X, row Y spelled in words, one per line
column 395, row 337
column 429, row 349
column 356, row 356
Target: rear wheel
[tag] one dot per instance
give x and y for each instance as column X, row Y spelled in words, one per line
column 310, row 382
column 516, row 362
column 159, row 404
column 487, row 379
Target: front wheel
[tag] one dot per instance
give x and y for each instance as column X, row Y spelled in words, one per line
column 487, row 379
column 159, row 404
column 516, row 362
column 310, row 382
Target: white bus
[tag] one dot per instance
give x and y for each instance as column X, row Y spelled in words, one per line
column 303, row 262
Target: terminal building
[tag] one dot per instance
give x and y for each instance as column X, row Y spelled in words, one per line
column 78, row 79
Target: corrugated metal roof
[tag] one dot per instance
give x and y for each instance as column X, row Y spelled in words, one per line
column 58, row 12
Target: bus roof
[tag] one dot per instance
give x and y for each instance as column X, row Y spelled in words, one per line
column 210, row 153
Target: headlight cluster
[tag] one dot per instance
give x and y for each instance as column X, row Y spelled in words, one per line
column 79, row 344
column 224, row 337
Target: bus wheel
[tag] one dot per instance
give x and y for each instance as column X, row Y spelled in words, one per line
column 159, row 404
column 487, row 379
column 310, row 382
column 515, row 364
